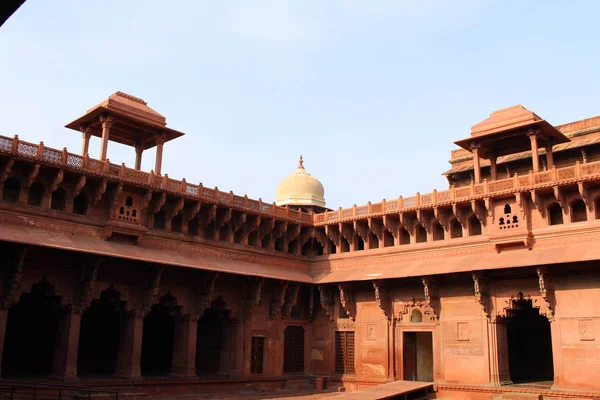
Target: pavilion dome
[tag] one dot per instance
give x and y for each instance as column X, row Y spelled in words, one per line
column 300, row 189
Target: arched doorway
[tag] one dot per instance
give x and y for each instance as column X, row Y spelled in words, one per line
column 157, row 338
column 31, row 333
column 100, row 335
column 211, row 338
column 529, row 343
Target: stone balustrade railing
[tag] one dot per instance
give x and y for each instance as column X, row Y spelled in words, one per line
column 62, row 158
column 517, row 183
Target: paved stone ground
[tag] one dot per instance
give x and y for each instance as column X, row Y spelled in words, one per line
column 251, row 396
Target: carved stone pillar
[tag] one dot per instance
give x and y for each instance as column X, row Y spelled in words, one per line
column 138, row 157
column 3, row 320
column 557, row 354
column 159, row 153
column 86, row 132
column 130, row 346
column 498, row 351
column 476, row 162
column 107, row 122
column 184, row 347
column 64, row 366
column 549, row 155
column 493, row 168
column 534, row 150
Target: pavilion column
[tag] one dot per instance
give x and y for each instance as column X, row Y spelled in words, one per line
column 549, row 155
column 3, row 320
column 130, row 346
column 534, row 150
column 138, row 157
column 493, row 167
column 476, row 162
column 159, row 153
column 184, row 346
column 86, row 133
column 64, row 366
column 107, row 122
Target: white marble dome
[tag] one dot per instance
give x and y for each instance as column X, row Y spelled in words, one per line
column 300, row 189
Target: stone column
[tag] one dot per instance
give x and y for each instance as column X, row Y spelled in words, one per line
column 107, row 122
column 184, row 347
column 159, row 153
column 493, row 167
column 476, row 162
column 86, row 132
column 549, row 155
column 130, row 346
column 138, row 157
column 498, row 351
column 557, row 356
column 64, row 366
column 3, row 321
column 534, row 150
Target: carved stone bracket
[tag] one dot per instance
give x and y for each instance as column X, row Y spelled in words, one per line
column 150, row 296
column 100, row 190
column 480, row 211
column 347, row 231
column 90, row 276
column 442, row 217
column 206, row 292
column 546, row 292
column 311, row 302
column 559, row 195
column 392, row 225
column 462, row 216
column 536, row 199
column 327, row 302
column 114, row 197
column 362, row 229
column 347, row 299
column 383, row 298
column 333, row 232
column 482, row 296
column 291, row 299
column 253, row 297
column 159, row 203
column 585, row 195
column 521, row 201
column 12, row 282
column 35, row 170
column 6, row 170
column 376, row 226
column 277, row 302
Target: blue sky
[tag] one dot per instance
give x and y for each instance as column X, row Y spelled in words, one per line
column 372, row 93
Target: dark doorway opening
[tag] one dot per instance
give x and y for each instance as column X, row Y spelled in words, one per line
column 100, row 335
column 209, row 340
column 31, row 333
column 157, row 338
column 293, row 349
column 418, row 356
column 529, row 344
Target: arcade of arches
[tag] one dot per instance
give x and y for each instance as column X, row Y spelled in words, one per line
column 221, row 326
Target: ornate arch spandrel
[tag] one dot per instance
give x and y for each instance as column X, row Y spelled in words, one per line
column 506, row 307
column 406, row 309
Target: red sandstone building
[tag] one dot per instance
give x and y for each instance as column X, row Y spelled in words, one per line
column 118, row 277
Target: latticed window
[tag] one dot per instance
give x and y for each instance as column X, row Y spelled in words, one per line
column 293, row 349
column 257, row 356
column 344, row 352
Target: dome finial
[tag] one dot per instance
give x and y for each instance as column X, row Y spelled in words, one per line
column 301, row 162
